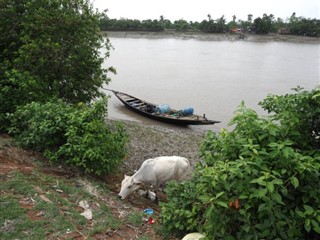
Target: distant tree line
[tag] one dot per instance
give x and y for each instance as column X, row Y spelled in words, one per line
column 260, row 25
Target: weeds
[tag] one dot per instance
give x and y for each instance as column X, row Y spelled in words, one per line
column 37, row 206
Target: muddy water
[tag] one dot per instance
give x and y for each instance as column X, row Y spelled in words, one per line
column 213, row 77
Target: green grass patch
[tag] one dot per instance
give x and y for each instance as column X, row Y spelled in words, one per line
column 39, row 206
column 135, row 218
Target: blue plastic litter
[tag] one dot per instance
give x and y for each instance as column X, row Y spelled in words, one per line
column 148, row 211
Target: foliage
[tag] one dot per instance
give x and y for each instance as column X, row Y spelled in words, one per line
column 181, row 25
column 130, row 25
column 263, row 25
column 302, row 26
column 259, row 181
column 211, row 26
column 49, row 48
column 260, row 25
column 299, row 116
column 77, row 135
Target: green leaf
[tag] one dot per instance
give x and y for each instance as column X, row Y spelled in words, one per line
column 246, row 227
column 243, row 196
column 262, row 207
column 229, row 237
column 314, row 223
column 265, row 233
column 260, row 181
column 277, row 181
column 273, row 145
column 270, row 187
column 300, row 213
column 294, row 181
column 307, row 225
column 219, row 194
column 309, row 210
column 223, row 204
column 261, row 192
column 209, row 211
column 204, row 198
column 277, row 198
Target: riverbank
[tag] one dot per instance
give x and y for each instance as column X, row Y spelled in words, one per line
column 214, row 37
column 152, row 141
column 46, row 186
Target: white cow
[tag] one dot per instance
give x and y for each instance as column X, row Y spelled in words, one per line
column 155, row 171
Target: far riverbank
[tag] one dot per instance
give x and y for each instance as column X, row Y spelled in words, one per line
column 214, row 37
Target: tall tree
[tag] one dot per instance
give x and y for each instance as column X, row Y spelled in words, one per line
column 50, row 48
column 263, row 25
column 234, row 18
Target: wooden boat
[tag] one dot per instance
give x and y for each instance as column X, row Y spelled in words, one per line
column 161, row 112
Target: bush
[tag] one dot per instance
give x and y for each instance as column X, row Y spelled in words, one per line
column 50, row 48
column 77, row 135
column 259, row 181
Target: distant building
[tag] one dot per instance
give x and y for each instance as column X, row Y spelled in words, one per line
column 283, row 31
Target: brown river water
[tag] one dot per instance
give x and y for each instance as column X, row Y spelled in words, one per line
column 213, row 77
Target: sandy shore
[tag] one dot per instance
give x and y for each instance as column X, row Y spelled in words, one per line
column 214, row 37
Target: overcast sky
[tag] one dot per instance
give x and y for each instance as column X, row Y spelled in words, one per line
column 197, row 10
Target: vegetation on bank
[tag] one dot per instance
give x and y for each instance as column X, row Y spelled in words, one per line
column 50, row 73
column 260, row 25
column 39, row 206
column 258, row 181
column 78, row 136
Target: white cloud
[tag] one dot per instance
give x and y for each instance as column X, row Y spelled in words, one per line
column 192, row 10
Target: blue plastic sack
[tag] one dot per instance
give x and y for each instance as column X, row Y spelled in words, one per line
column 162, row 109
column 187, row 111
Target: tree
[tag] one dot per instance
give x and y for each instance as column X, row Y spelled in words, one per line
column 234, row 18
column 49, row 48
column 303, row 26
column 181, row 25
column 263, row 25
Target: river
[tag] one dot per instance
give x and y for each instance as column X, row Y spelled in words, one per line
column 213, row 77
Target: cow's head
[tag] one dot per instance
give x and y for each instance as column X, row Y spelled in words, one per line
column 128, row 185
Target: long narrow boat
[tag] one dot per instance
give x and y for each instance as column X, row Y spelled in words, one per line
column 162, row 113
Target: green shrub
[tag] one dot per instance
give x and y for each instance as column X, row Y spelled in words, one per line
column 78, row 135
column 258, row 181
column 50, row 48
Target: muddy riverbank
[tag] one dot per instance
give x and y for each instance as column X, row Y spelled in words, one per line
column 214, row 37
column 152, row 141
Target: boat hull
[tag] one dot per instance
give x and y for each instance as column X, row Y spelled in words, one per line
column 137, row 105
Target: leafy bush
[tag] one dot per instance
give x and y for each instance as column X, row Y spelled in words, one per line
column 50, row 48
column 77, row 135
column 259, row 181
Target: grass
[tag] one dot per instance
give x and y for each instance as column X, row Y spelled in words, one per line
column 40, row 200
column 136, row 218
column 39, row 207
